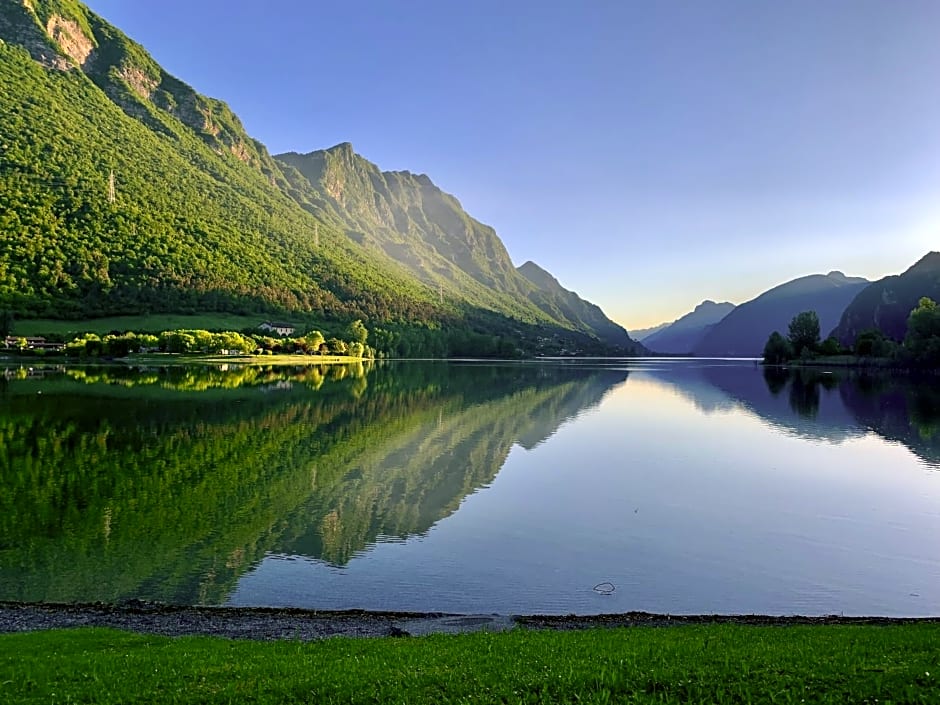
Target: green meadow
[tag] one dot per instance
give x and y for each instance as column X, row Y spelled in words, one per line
column 719, row 663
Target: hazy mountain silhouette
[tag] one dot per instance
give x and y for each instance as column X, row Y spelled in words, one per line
column 640, row 333
column 744, row 331
column 685, row 333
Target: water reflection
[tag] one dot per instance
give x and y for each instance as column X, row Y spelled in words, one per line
column 831, row 405
column 806, row 404
column 898, row 408
column 905, row 410
column 170, row 483
column 176, row 484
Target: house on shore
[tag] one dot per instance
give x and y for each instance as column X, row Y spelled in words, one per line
column 282, row 329
column 20, row 342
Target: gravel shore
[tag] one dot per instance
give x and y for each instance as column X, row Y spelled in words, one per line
column 268, row 624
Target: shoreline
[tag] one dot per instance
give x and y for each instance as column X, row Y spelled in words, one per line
column 273, row 623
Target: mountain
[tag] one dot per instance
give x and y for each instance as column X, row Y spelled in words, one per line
column 886, row 303
column 685, row 333
column 744, row 331
column 407, row 218
column 639, row 334
column 124, row 191
column 552, row 297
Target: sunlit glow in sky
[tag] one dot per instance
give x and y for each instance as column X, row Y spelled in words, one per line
column 649, row 154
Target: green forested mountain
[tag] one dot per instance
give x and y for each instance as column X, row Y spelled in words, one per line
column 123, row 191
column 886, row 304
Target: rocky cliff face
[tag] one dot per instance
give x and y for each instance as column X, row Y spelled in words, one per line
column 66, row 36
column 20, row 25
column 408, row 218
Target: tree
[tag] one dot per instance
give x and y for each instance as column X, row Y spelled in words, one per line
column 314, row 339
column 871, row 343
column 830, row 346
column 923, row 332
column 337, row 346
column 120, row 345
column 356, row 349
column 804, row 332
column 6, row 323
column 777, row 350
column 357, row 332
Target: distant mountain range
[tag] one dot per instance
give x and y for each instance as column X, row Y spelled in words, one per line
column 639, row 334
column 684, row 334
column 128, row 192
column 744, row 331
column 846, row 306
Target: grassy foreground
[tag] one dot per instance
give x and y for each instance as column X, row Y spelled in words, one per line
column 690, row 664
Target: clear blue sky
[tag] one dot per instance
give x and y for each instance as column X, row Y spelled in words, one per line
column 649, row 154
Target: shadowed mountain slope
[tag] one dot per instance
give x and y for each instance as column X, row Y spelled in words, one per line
column 553, row 297
column 887, row 303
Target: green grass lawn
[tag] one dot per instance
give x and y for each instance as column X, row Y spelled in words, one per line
column 689, row 664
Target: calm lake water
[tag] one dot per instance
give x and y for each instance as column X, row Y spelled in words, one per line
column 689, row 486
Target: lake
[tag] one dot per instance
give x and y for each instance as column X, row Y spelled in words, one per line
column 687, row 486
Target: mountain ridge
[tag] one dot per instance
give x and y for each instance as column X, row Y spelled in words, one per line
column 410, row 219
column 686, row 332
column 744, row 331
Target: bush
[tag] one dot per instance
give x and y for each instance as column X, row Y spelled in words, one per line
column 777, row 350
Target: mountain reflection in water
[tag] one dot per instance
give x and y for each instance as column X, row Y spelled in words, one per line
column 168, row 483
column 691, row 485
